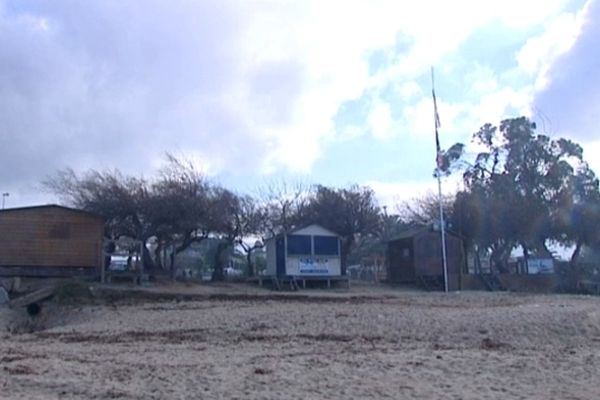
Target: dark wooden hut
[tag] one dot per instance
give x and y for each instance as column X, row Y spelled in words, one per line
column 50, row 241
column 415, row 257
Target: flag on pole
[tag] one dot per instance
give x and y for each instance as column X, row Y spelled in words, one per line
column 440, row 166
column 439, row 159
column 437, row 116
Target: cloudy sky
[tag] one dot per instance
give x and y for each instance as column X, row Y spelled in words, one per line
column 332, row 92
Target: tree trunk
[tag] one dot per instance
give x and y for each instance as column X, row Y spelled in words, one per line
column 575, row 255
column 573, row 274
column 149, row 264
column 345, row 249
column 499, row 257
column 495, row 258
column 525, row 256
column 219, row 264
column 172, row 257
column 158, row 256
column 477, row 262
column 249, row 263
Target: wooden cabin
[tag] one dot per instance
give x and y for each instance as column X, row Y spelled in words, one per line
column 415, row 257
column 311, row 253
column 50, row 241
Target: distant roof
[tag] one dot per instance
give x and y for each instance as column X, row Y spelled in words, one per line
column 7, row 210
column 415, row 231
column 313, row 224
column 296, row 229
column 410, row 232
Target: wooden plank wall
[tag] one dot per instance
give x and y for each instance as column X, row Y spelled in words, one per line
column 50, row 236
column 428, row 259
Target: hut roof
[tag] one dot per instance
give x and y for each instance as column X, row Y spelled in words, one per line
column 309, row 225
column 408, row 233
column 417, row 230
column 55, row 206
column 299, row 228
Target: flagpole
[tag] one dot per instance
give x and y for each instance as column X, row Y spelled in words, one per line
column 438, row 173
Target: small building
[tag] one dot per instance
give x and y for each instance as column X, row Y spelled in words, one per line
column 415, row 257
column 535, row 274
column 312, row 253
column 535, row 265
column 50, row 241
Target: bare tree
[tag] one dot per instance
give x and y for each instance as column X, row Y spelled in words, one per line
column 174, row 208
column 181, row 206
column 253, row 223
column 425, row 209
column 282, row 203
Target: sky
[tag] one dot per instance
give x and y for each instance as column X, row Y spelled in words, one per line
column 330, row 92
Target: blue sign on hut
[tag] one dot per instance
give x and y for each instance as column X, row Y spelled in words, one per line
column 307, row 255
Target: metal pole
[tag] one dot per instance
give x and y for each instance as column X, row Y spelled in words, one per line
column 443, row 231
column 438, row 172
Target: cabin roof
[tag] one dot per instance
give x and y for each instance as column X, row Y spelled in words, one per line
column 313, row 224
column 416, row 231
column 299, row 228
column 409, row 233
column 54, row 206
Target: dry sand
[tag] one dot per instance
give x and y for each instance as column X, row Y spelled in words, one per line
column 351, row 345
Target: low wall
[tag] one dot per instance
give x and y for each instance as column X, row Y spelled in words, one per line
column 471, row 282
column 542, row 283
column 454, row 282
column 48, row 272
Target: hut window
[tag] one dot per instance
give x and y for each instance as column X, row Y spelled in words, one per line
column 326, row 246
column 299, row 244
column 60, row 230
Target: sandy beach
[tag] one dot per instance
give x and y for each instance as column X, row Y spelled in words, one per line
column 353, row 344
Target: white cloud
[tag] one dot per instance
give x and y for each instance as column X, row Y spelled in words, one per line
column 409, row 90
column 380, row 120
column 240, row 85
column 592, row 148
column 540, row 52
column 393, row 194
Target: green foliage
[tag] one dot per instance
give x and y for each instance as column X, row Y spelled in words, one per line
column 450, row 158
column 526, row 189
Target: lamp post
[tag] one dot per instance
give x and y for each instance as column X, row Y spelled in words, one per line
column 4, row 196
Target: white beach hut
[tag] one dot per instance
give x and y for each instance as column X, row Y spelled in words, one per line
column 311, row 253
